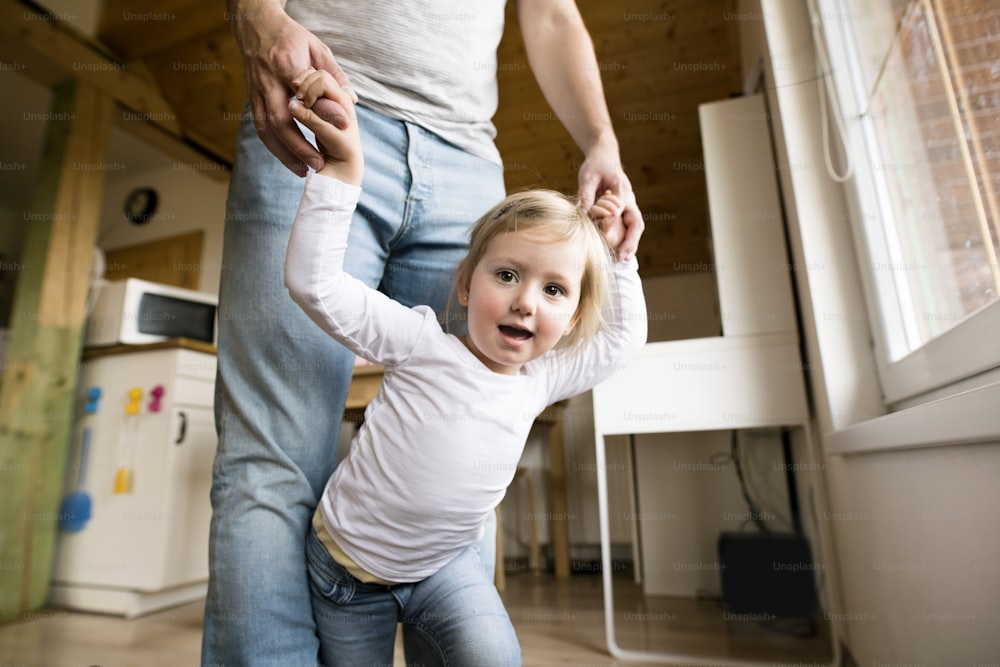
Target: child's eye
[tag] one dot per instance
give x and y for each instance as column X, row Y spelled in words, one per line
column 506, row 276
column 554, row 290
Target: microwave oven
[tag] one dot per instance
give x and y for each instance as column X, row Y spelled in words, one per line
column 133, row 312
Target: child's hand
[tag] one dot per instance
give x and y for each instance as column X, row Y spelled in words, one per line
column 607, row 213
column 340, row 146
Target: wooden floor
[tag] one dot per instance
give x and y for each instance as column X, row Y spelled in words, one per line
column 557, row 622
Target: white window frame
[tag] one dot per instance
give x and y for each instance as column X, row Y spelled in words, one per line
column 969, row 349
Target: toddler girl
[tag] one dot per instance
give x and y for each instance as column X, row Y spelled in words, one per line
column 548, row 317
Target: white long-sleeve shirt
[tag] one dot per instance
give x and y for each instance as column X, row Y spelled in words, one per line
column 442, row 439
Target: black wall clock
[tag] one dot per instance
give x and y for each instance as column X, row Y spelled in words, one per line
column 140, row 205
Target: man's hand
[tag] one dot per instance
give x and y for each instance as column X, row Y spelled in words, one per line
column 600, row 176
column 274, row 49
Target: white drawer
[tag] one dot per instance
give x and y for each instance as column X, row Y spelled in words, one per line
column 194, row 392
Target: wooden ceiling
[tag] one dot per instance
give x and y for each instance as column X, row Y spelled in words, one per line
column 659, row 59
column 187, row 49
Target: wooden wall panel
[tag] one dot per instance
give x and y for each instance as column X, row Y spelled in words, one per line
column 175, row 260
column 659, row 60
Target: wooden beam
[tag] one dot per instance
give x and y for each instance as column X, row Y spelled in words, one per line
column 140, row 27
column 205, row 81
column 40, row 369
column 50, row 53
column 50, row 49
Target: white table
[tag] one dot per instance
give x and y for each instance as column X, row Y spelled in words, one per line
column 754, row 381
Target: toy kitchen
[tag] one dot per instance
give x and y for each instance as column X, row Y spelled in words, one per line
column 134, row 518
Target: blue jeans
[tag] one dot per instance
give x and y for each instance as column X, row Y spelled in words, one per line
column 282, row 382
column 454, row 617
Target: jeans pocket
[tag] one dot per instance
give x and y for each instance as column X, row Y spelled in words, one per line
column 327, row 577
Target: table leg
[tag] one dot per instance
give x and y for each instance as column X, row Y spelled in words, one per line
column 557, row 495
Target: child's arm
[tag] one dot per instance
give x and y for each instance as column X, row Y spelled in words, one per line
column 341, row 147
column 364, row 320
column 575, row 370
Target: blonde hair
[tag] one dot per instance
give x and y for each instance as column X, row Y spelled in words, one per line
column 555, row 218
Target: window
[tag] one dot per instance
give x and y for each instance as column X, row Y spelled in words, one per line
column 917, row 84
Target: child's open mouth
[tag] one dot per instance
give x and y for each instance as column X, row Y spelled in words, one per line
column 515, row 332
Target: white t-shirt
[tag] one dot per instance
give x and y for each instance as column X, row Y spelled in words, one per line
column 441, row 441
column 432, row 63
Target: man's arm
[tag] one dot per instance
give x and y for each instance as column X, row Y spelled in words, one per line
column 274, row 49
column 562, row 58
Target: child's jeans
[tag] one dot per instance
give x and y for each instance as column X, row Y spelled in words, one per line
column 454, row 617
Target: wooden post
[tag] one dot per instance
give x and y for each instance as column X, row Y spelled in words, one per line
column 40, row 370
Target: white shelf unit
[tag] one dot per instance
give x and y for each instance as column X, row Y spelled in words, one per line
column 147, row 548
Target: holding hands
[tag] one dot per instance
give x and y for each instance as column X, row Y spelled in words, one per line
column 601, row 174
column 608, row 214
column 274, row 46
column 339, row 143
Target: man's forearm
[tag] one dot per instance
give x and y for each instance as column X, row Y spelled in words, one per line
column 248, row 13
column 562, row 58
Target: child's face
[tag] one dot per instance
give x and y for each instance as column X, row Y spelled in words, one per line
column 522, row 299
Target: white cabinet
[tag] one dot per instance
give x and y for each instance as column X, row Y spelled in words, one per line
column 145, row 546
